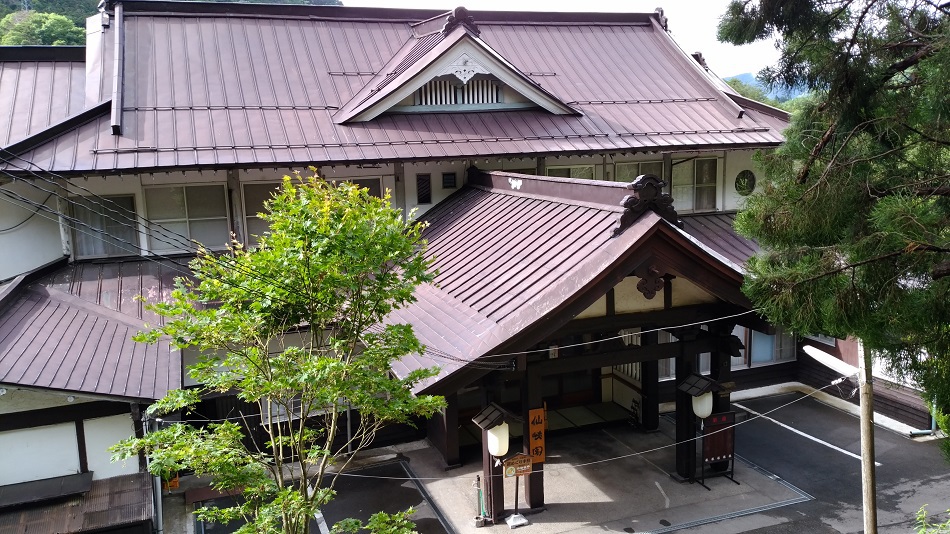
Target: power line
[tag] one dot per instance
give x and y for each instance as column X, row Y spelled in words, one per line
column 24, row 221
column 181, row 239
column 182, row 268
column 551, row 468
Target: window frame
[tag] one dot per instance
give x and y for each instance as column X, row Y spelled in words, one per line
column 74, row 231
column 592, row 167
column 639, row 166
column 695, row 186
column 420, row 176
column 187, row 220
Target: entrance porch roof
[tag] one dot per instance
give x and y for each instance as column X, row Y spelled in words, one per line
column 519, row 256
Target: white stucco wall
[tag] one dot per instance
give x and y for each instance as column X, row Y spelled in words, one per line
column 52, row 450
column 102, row 433
column 38, row 453
column 34, row 243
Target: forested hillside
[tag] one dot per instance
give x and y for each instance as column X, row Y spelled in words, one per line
column 18, row 27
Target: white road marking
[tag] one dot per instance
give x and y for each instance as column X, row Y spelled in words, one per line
column 322, row 523
column 659, row 487
column 800, row 433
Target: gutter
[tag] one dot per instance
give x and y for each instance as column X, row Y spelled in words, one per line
column 843, row 368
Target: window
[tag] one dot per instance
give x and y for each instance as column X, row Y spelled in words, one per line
column 822, row 338
column 745, row 183
column 573, row 171
column 694, row 186
column 763, row 348
column 448, row 180
column 627, row 172
column 254, row 197
column 423, row 189
column 108, row 227
column 197, row 212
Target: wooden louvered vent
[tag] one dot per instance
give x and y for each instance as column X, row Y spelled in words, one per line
column 449, row 93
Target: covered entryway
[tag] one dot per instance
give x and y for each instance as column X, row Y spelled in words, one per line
column 560, row 290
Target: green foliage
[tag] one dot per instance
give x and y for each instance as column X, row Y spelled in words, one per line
column 753, row 92
column 855, row 210
column 296, row 327
column 75, row 10
column 33, row 28
column 379, row 523
column 925, row 526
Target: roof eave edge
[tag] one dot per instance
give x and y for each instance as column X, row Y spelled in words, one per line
column 58, row 128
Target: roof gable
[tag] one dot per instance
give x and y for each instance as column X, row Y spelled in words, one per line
column 518, row 256
column 456, row 51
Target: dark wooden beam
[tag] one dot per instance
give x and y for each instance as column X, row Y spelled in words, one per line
column 670, row 317
column 624, row 356
column 62, row 414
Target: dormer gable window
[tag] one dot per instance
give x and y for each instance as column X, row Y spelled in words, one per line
column 447, row 67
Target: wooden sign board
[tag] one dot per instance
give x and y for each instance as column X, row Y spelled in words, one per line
column 518, row 465
column 536, row 424
column 719, row 437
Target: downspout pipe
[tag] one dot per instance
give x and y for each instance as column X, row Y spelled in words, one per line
column 156, row 482
column 926, row 432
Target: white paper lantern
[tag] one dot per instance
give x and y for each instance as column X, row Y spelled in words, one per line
column 703, row 405
column 498, row 440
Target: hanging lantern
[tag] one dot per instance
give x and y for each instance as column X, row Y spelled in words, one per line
column 703, row 405
column 498, row 440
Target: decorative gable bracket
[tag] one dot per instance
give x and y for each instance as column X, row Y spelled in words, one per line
column 647, row 195
column 464, row 68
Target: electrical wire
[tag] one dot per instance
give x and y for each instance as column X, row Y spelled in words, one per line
column 132, row 222
column 24, row 221
column 554, row 468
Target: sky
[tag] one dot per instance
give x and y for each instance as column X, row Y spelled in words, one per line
column 692, row 24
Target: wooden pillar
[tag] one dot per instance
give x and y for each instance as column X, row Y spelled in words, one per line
column 444, row 432
column 720, row 370
column 685, row 420
column 650, row 386
column 531, row 397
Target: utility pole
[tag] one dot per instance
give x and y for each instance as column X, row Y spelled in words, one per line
column 868, row 484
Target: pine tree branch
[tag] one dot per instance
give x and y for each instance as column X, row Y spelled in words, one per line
column 913, row 247
column 941, row 270
column 813, row 156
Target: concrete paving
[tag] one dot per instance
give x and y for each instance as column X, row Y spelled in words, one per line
column 597, row 479
column 612, row 477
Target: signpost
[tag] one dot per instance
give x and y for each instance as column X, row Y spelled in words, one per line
column 517, row 466
column 719, row 445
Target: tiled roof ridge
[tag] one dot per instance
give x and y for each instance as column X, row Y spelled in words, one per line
column 412, row 16
column 598, row 194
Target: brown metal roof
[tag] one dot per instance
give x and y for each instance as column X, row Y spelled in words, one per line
column 520, row 255
column 260, row 85
column 122, row 501
column 72, row 331
column 715, row 230
column 37, row 93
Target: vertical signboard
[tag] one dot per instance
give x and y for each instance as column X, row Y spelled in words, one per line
column 536, row 435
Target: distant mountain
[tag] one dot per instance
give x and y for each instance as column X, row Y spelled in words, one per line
column 778, row 94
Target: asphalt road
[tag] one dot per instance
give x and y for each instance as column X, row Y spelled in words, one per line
column 815, row 450
column 382, row 488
